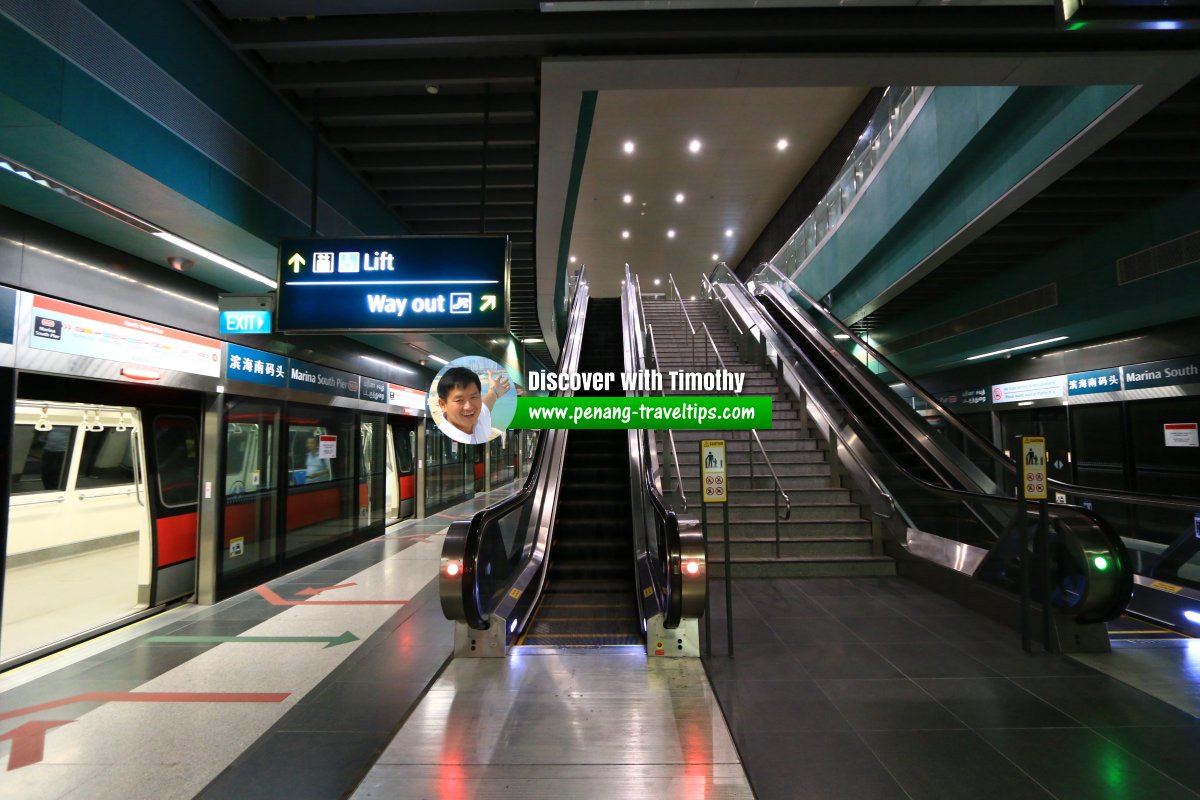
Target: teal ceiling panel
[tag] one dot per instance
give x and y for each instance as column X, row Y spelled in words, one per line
column 1091, row 304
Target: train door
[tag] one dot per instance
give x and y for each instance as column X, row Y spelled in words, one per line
column 1050, row 422
column 80, row 545
column 249, row 526
column 402, row 450
column 391, row 484
column 372, row 472
column 172, row 445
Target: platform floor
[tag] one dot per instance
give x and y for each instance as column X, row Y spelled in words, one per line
column 277, row 692
column 878, row 688
column 337, row 681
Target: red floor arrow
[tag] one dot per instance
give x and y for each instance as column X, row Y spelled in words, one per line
column 29, row 742
column 312, row 591
column 274, row 599
column 29, row 739
column 150, row 697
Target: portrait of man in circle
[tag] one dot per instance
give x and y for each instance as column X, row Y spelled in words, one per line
column 466, row 409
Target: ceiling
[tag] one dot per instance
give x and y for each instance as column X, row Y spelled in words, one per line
column 731, row 187
column 463, row 115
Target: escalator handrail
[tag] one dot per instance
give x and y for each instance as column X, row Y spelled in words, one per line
column 666, row 518
column 460, row 592
column 993, row 452
column 833, row 427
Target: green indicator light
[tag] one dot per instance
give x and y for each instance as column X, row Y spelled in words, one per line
column 1101, row 563
column 1077, row 26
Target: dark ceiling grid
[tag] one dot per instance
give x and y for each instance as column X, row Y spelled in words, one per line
column 446, row 133
column 1153, row 160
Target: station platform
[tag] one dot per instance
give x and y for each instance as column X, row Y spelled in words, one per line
column 338, row 681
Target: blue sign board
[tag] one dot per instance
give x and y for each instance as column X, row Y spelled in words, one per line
column 245, row 322
column 255, row 366
column 314, row 378
column 412, row 283
column 8, row 311
column 373, row 390
column 1098, row 380
column 1172, row 372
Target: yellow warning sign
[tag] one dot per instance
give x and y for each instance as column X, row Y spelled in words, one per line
column 1033, row 467
column 712, row 471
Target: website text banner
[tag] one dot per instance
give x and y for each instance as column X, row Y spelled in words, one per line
column 679, row 413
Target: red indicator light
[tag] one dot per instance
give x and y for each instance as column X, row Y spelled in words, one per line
column 453, row 568
column 691, row 568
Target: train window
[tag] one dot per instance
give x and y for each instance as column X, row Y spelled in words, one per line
column 404, row 447
column 178, row 456
column 40, row 458
column 107, row 459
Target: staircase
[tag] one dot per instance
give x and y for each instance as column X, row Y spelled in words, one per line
column 826, row 534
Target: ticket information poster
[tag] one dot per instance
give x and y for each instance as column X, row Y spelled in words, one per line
column 80, row 331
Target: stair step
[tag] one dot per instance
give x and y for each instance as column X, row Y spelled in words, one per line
column 789, row 548
column 798, row 567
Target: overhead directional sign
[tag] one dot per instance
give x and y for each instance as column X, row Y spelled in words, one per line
column 410, row 283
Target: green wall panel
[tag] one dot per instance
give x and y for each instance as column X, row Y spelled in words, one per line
column 966, row 148
column 1090, row 303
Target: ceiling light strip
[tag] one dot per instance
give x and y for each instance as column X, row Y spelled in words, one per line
column 1018, row 347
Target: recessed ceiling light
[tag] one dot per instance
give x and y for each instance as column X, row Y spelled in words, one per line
column 781, row 145
column 627, row 198
column 729, row 233
column 624, row 234
column 571, row 259
column 693, row 297
column 657, row 281
column 679, row 197
column 716, row 257
column 671, row 233
column 694, row 145
column 629, row 146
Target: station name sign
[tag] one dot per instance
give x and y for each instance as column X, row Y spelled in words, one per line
column 408, row 283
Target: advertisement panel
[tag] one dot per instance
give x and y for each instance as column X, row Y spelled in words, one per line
column 62, row 327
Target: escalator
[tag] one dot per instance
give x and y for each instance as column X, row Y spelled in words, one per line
column 933, row 500
column 586, row 553
column 590, row 596
column 882, row 427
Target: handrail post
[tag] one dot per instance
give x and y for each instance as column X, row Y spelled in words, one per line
column 777, row 550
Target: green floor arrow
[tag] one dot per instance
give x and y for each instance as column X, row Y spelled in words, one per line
column 330, row 641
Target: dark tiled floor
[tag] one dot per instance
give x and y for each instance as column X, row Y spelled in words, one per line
column 878, row 688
